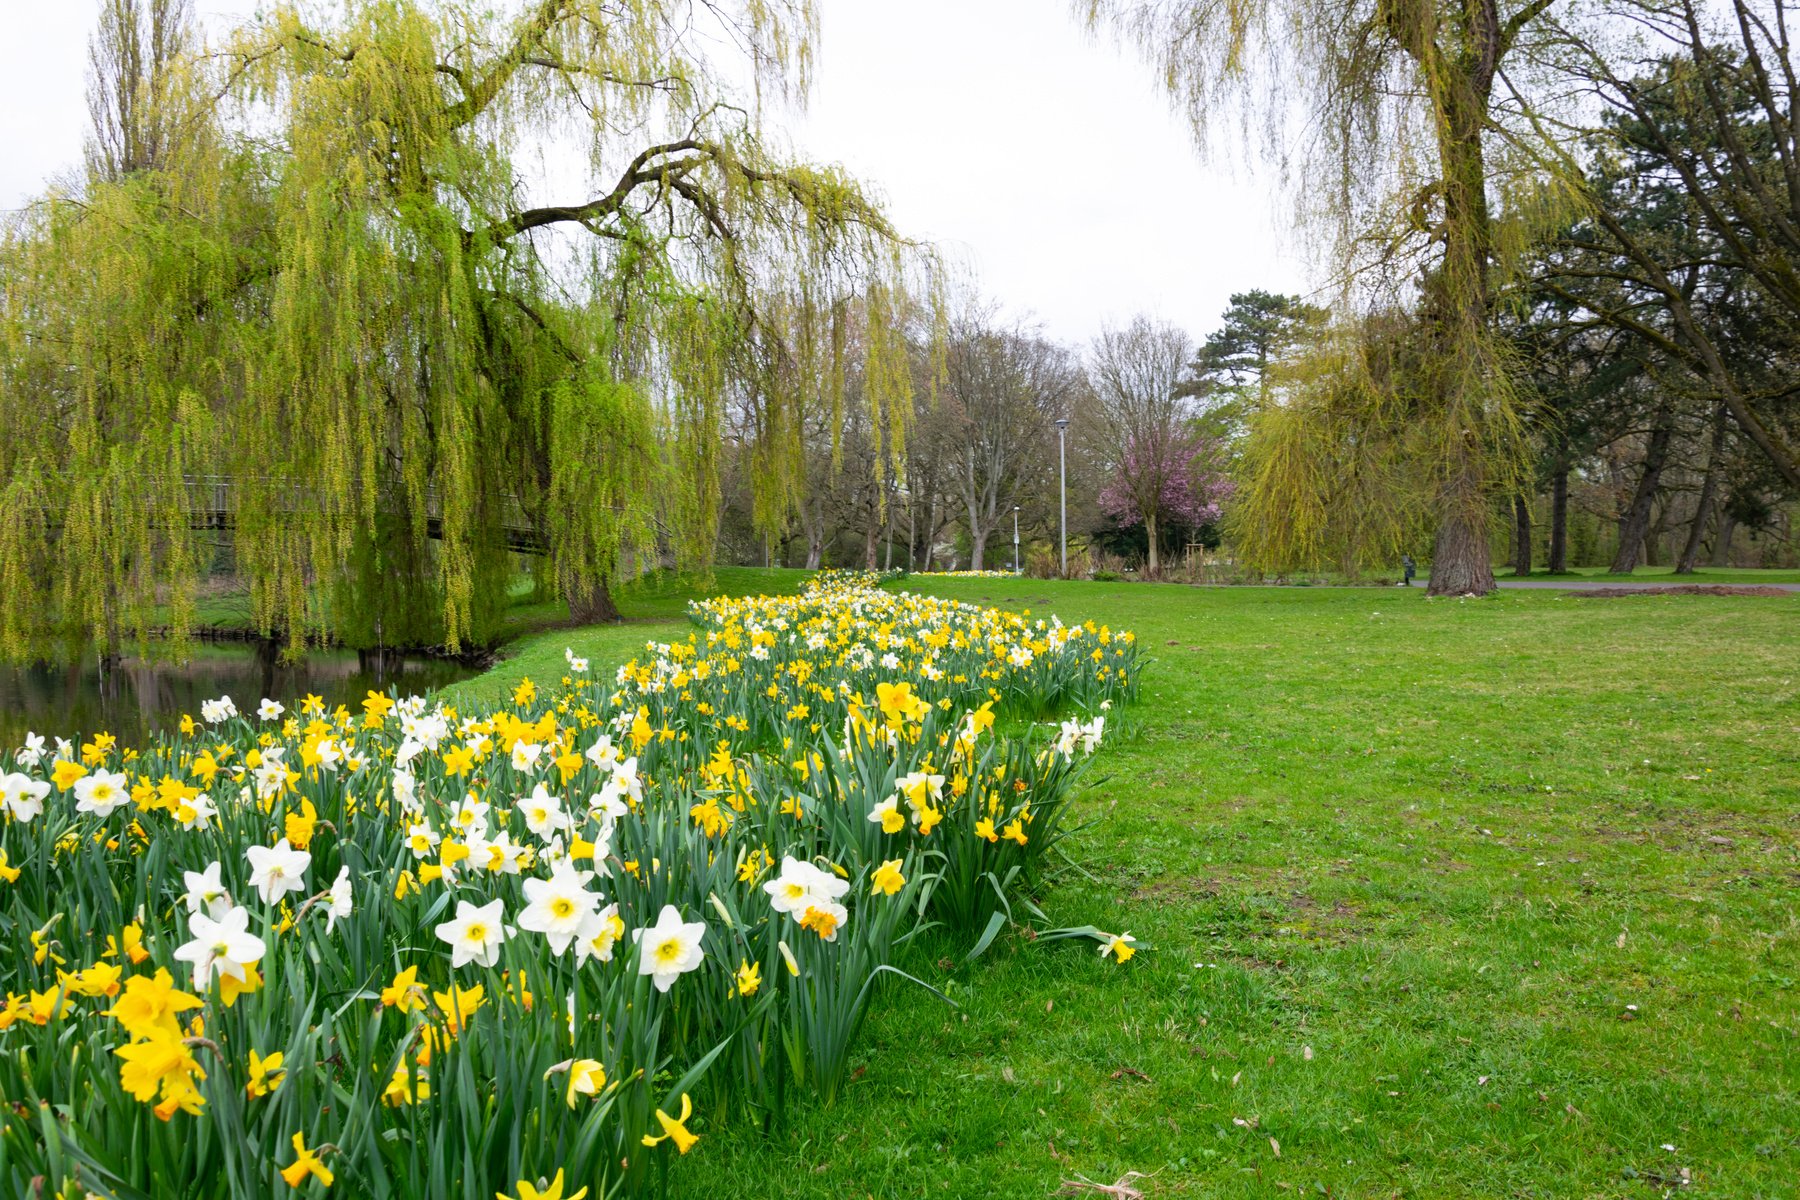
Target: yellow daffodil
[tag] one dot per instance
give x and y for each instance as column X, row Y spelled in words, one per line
column 306, row 1163
column 887, row 880
column 675, row 1127
column 552, row 1191
column 266, row 1074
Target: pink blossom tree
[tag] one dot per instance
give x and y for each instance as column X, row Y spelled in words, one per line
column 1163, row 481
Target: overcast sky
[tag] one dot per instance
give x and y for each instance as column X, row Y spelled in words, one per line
column 1046, row 163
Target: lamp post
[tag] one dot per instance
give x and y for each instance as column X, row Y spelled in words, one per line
column 1015, row 539
column 1062, row 472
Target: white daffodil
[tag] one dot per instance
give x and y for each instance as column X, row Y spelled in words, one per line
column 217, row 712
column 800, row 885
column 921, row 790
column 277, row 870
column 471, row 815
column 272, row 775
column 670, row 948
column 606, row 806
column 270, row 710
column 501, row 855
column 887, row 814
column 475, row 933
column 603, row 753
column 32, row 752
column 196, row 811
column 206, row 893
column 543, row 812
column 421, row 838
column 525, row 755
column 341, row 902
column 221, row 947
column 823, row 917
column 600, row 932
column 101, row 793
column 330, row 754
column 22, row 795
column 626, row 781
column 558, row 907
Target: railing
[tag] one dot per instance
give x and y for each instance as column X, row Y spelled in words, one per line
column 211, row 506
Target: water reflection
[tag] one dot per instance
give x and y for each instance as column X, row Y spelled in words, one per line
column 143, row 696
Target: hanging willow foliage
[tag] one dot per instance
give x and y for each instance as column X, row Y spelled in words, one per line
column 335, row 320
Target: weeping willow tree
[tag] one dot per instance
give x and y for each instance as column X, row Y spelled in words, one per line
column 1402, row 129
column 344, row 318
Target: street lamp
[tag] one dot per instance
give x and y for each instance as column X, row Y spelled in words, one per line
column 1015, row 539
column 1062, row 471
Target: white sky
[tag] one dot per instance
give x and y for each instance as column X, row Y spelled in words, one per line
column 1047, row 163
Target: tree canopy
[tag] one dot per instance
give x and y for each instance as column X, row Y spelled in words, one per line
column 331, row 305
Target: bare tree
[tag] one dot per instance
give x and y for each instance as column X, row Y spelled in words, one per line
column 1136, row 374
column 1007, row 386
column 135, row 47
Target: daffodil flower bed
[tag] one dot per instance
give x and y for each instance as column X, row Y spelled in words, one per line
column 412, row 952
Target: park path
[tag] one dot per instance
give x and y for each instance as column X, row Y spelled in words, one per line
column 1583, row 585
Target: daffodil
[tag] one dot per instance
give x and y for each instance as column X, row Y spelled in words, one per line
column 675, row 1127
column 101, row 793
column 277, row 870
column 670, row 948
column 475, row 933
column 266, row 1074
column 306, row 1163
column 552, row 1191
column 151, row 1003
column 586, row 1077
column 224, row 947
column 887, row 879
column 405, row 993
column 558, row 907
column 1119, row 947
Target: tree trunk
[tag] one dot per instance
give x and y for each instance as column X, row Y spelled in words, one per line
column 1709, row 490
column 1462, row 559
column 1153, row 567
column 977, row 547
column 1721, row 555
column 1635, row 523
column 1559, row 519
column 593, row 605
column 1521, row 535
column 1461, row 563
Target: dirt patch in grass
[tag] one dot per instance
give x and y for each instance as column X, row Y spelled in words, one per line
column 1696, row 589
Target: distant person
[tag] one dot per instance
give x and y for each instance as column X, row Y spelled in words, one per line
column 1407, row 565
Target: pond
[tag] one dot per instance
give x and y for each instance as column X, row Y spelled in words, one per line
column 64, row 701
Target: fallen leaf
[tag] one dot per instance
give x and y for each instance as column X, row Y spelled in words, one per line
column 1131, row 1071
column 1275, row 1146
column 1119, row 1189
column 1306, row 1053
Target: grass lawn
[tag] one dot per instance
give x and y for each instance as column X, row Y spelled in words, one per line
column 1485, row 898
column 1667, row 575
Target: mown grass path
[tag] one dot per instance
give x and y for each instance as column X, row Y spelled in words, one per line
column 1483, row 898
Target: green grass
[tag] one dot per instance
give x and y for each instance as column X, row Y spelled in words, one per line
column 654, row 608
column 1406, row 865
column 1667, row 575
